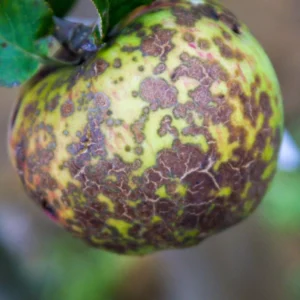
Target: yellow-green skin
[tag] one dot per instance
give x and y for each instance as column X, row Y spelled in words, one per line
column 167, row 136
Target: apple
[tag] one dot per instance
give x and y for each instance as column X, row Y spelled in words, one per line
column 166, row 136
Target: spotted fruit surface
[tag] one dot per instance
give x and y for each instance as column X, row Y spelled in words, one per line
column 167, row 136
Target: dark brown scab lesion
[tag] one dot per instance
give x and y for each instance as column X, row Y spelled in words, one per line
column 160, row 236
column 184, row 162
column 188, row 37
column 101, row 102
column 52, row 104
column 265, row 104
column 37, row 162
column 40, row 158
column 159, row 69
column 145, row 211
column 82, row 102
column 166, row 127
column 211, row 107
column 158, row 43
column 141, row 68
column 251, row 108
column 141, row 33
column 137, row 128
column 100, row 66
column 181, row 109
column 67, row 108
column 137, row 164
column 87, row 219
column 129, row 49
column 91, row 139
column 166, row 209
column 47, row 182
column 203, row 44
column 110, row 122
column 193, row 130
column 117, row 63
column 231, row 21
column 133, row 28
column 198, row 69
column 96, row 68
column 227, row 36
column 135, row 94
column 188, row 16
column 158, row 92
column 224, row 49
column 31, row 109
column 139, row 150
column 219, row 218
column 248, row 165
column 196, row 205
column 235, row 88
column 76, row 148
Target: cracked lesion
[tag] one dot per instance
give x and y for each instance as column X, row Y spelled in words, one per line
column 208, row 106
column 158, row 43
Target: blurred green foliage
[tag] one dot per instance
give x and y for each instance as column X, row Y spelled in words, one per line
column 15, row 284
column 281, row 207
column 293, row 283
column 66, row 269
column 75, row 272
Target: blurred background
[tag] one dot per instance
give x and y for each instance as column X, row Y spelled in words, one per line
column 259, row 259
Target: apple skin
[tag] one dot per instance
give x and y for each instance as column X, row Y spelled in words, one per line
column 166, row 136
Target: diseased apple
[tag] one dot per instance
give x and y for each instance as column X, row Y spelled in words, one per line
column 166, row 136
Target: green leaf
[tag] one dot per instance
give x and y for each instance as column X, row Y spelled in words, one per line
column 61, row 7
column 112, row 12
column 104, row 14
column 22, row 24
